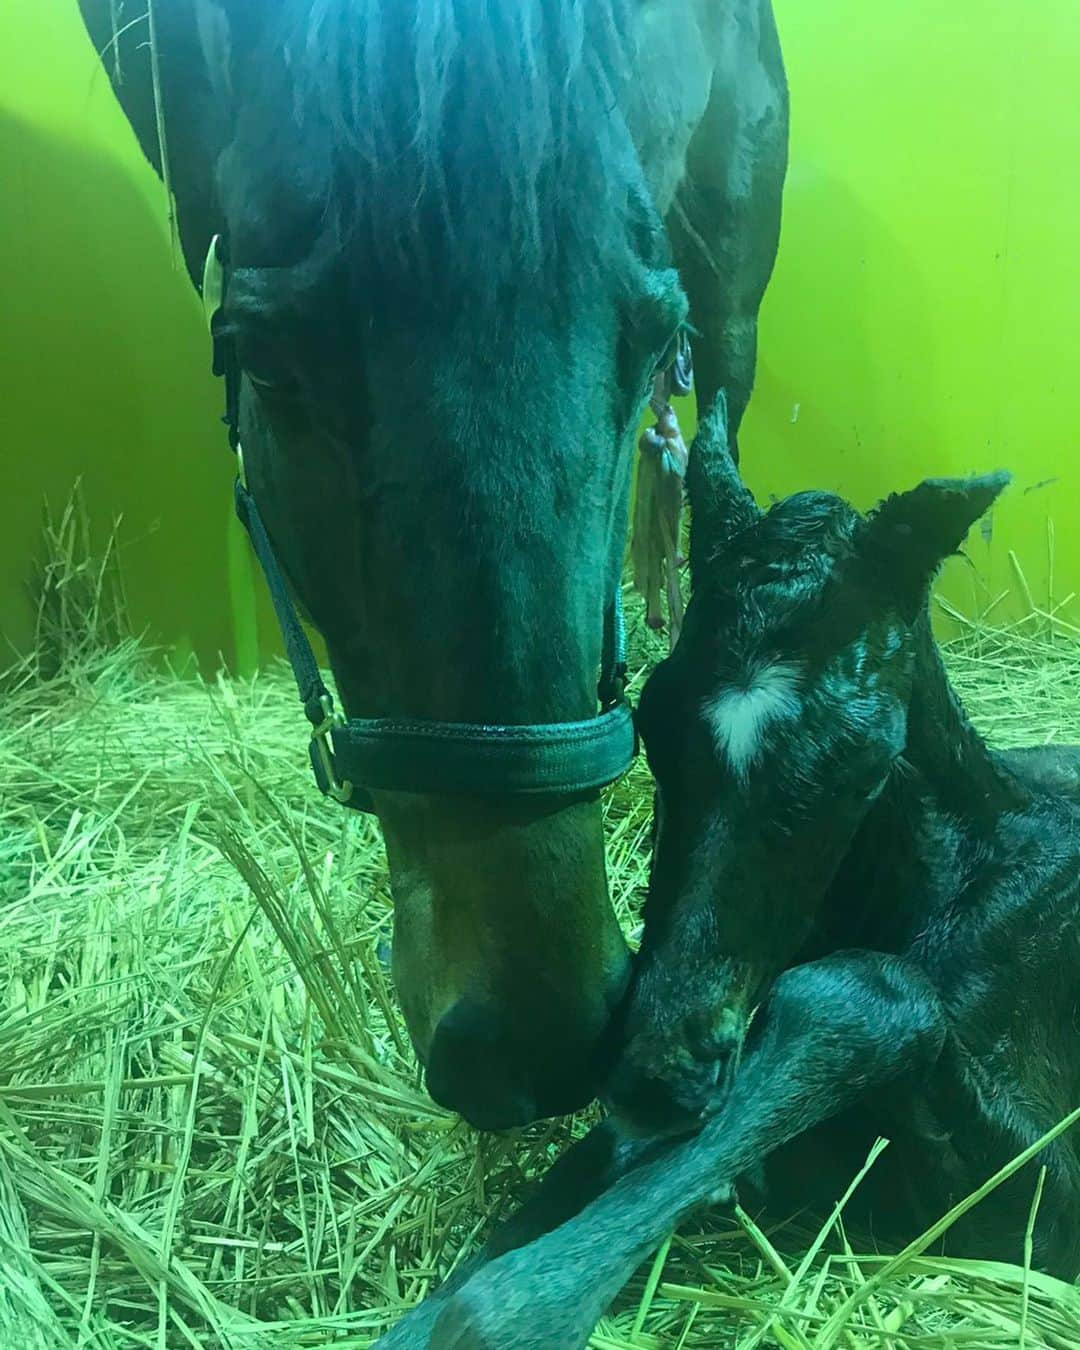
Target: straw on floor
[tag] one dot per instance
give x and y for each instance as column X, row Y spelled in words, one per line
column 212, row 1130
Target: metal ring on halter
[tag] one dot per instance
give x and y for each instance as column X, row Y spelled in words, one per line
column 682, row 369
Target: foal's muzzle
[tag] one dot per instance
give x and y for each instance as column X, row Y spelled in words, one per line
column 672, row 1097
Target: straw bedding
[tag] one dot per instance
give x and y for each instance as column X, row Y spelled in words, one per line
column 212, row 1131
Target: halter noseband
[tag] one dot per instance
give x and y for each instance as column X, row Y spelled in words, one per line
column 350, row 757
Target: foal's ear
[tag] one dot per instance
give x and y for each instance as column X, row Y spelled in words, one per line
column 720, row 502
column 911, row 533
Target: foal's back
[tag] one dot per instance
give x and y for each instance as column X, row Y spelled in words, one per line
column 989, row 908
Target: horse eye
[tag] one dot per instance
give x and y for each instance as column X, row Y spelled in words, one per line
column 271, row 385
column 263, row 365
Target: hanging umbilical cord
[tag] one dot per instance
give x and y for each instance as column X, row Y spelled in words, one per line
column 658, row 503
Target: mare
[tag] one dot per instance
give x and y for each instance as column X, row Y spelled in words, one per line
column 861, row 922
column 460, row 240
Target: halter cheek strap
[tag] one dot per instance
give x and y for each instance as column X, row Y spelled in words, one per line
column 554, row 760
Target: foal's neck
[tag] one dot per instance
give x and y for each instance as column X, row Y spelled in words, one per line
column 915, row 853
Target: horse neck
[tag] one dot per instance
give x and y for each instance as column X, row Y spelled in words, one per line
column 939, row 813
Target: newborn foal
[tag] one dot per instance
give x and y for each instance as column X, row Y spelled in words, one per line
column 819, row 790
column 837, row 849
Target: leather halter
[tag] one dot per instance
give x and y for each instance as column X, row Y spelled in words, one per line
column 350, row 757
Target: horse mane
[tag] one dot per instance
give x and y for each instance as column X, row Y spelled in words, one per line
column 466, row 134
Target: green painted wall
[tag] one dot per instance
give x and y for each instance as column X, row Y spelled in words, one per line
column 103, row 356
column 925, row 315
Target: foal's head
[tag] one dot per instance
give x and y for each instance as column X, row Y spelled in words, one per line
column 770, row 730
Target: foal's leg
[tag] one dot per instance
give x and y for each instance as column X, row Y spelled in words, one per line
column 725, row 223
column 1047, row 768
column 581, row 1174
column 829, row 1031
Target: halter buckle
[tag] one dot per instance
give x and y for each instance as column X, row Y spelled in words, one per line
column 322, row 749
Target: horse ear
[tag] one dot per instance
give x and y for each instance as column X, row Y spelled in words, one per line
column 911, row 534
column 720, row 504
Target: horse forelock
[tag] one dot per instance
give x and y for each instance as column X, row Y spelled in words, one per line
column 468, row 138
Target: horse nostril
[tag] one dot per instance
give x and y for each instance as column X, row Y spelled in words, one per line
column 470, row 1070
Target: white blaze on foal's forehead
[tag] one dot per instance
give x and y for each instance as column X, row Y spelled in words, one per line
column 738, row 715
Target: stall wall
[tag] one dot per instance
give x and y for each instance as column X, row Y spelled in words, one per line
column 924, row 316
column 104, row 366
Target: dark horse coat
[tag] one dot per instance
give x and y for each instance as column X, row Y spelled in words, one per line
column 898, row 902
column 461, row 242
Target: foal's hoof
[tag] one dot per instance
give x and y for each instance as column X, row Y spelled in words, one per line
column 724, row 1196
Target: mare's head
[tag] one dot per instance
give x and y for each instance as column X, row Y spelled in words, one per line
column 771, row 731
column 450, row 289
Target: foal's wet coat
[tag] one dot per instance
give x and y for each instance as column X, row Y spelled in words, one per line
column 900, row 901
column 870, row 816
